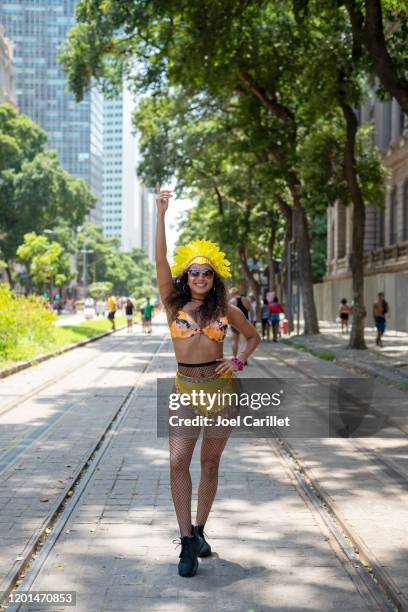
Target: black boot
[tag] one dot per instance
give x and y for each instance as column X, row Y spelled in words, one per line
column 188, row 563
column 204, row 549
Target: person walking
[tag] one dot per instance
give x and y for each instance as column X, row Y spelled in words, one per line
column 147, row 316
column 275, row 309
column 381, row 310
column 265, row 315
column 129, row 315
column 194, row 295
column 245, row 306
column 112, row 308
column 344, row 314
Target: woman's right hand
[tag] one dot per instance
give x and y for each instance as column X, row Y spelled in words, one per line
column 162, row 199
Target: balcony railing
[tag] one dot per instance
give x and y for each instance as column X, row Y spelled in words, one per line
column 375, row 259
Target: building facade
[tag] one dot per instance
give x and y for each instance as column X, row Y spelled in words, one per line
column 7, row 70
column 37, row 30
column 127, row 204
column 386, row 233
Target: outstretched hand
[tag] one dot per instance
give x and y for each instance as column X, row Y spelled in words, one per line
column 162, row 198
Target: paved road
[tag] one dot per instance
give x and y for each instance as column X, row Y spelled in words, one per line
column 271, row 551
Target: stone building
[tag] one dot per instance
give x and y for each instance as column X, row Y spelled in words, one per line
column 386, row 234
column 7, row 70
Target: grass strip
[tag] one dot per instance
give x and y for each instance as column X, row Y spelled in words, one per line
column 61, row 337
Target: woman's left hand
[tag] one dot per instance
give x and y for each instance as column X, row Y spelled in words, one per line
column 226, row 365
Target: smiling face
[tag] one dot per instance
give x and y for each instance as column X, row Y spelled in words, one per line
column 200, row 279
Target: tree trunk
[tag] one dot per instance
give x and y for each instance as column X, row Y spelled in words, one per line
column 271, row 244
column 302, row 241
column 9, row 275
column 357, row 340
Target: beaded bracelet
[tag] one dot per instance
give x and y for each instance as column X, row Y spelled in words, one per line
column 240, row 364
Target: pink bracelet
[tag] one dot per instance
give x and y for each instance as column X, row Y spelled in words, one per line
column 240, row 364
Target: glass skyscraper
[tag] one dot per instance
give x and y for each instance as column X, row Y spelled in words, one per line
column 38, row 28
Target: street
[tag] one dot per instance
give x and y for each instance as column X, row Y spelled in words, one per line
column 276, row 546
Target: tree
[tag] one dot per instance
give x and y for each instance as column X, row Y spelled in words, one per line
column 211, row 49
column 35, row 192
column 381, row 27
column 46, row 262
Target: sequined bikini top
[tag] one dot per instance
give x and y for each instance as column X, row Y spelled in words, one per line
column 185, row 327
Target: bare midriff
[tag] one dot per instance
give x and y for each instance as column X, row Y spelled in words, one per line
column 198, row 349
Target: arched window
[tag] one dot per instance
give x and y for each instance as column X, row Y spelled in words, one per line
column 393, row 216
column 405, row 212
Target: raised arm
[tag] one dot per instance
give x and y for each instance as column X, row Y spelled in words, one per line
column 164, row 280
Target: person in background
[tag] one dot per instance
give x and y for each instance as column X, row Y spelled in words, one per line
column 147, row 316
column 112, row 308
column 252, row 317
column 129, row 315
column 245, row 306
column 381, row 309
column 275, row 308
column 266, row 327
column 344, row 314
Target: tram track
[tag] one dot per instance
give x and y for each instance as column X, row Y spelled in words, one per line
column 11, row 456
column 48, row 383
column 355, row 555
column 22, row 575
column 375, row 584
column 388, row 467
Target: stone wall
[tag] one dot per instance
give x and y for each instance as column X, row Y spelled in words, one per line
column 394, row 286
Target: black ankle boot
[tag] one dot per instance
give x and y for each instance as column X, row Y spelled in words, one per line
column 204, row 549
column 188, row 563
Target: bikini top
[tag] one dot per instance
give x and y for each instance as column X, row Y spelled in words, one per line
column 185, row 327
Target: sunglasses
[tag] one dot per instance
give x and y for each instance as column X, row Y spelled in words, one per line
column 205, row 272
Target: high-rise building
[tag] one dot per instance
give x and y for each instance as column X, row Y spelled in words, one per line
column 127, row 204
column 7, row 70
column 38, row 29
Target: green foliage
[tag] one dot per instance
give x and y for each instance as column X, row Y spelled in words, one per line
column 318, row 228
column 99, row 290
column 26, row 325
column 46, row 261
column 35, row 192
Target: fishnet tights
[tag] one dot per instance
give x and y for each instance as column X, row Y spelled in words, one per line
column 181, row 452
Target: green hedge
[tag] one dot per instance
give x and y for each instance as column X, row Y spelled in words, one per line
column 26, row 326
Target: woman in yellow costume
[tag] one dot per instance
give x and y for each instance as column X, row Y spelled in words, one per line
column 195, row 298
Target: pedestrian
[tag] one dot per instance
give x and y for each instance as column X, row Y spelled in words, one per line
column 275, row 309
column 147, row 316
column 266, row 327
column 381, row 310
column 253, row 313
column 245, row 306
column 129, row 315
column 112, row 308
column 345, row 311
column 198, row 312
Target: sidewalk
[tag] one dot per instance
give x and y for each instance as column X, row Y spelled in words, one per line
column 390, row 363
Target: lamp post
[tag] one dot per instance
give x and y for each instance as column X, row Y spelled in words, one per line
column 84, row 264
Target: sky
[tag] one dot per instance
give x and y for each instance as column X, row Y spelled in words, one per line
column 176, row 211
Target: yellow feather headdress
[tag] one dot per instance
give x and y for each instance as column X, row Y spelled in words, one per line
column 200, row 251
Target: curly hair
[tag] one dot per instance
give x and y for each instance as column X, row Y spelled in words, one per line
column 213, row 307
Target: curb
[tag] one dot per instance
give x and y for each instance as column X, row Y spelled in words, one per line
column 391, row 375
column 23, row 365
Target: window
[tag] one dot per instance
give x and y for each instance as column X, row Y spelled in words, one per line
column 393, row 216
column 379, row 228
column 405, row 204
